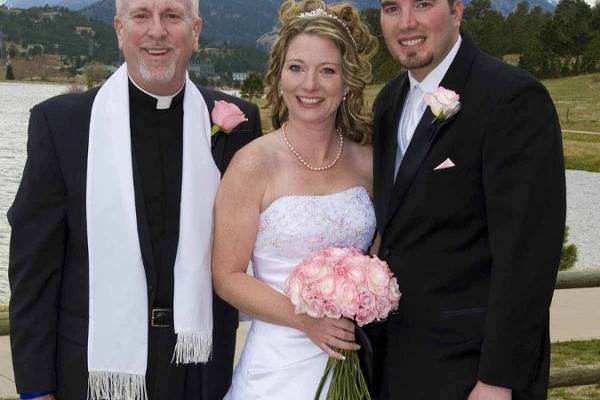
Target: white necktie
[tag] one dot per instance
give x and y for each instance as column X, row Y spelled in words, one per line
column 408, row 124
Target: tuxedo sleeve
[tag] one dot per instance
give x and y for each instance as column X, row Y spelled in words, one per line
column 37, row 251
column 524, row 186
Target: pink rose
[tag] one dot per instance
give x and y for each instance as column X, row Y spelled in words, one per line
column 315, row 308
column 357, row 273
column 226, row 117
column 309, row 291
column 340, row 271
column 313, row 270
column 294, row 288
column 337, row 251
column 331, row 309
column 394, row 294
column 444, row 103
column 346, row 297
column 366, row 300
column 378, row 277
column 326, row 285
column 365, row 316
column 383, row 307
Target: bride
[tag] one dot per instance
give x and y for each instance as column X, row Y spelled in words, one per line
column 299, row 189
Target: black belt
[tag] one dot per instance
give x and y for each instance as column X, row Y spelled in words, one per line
column 161, row 317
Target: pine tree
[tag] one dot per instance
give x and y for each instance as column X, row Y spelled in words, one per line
column 569, row 254
column 10, row 76
column 252, row 87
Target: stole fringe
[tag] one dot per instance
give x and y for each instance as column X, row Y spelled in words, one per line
column 193, row 347
column 116, row 386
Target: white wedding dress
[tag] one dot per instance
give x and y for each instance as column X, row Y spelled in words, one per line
column 281, row 363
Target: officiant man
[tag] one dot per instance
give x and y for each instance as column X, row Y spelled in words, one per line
column 469, row 192
column 112, row 223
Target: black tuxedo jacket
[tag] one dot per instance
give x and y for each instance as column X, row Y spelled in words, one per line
column 48, row 268
column 475, row 247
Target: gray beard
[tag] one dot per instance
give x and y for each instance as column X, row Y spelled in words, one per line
column 164, row 75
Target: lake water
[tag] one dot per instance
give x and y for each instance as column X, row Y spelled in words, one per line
column 583, row 215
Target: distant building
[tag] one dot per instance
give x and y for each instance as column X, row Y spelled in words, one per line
column 13, row 11
column 239, row 76
column 108, row 69
column 201, row 68
column 50, row 15
column 80, row 30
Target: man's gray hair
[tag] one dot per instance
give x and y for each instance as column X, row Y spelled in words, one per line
column 195, row 6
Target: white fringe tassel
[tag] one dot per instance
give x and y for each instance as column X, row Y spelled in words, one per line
column 116, row 386
column 193, row 347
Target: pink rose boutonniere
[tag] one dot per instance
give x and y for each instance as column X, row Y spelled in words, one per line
column 444, row 103
column 226, row 117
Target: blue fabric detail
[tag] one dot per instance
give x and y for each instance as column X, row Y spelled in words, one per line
column 33, row 395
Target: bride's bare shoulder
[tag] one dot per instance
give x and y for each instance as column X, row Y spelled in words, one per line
column 256, row 159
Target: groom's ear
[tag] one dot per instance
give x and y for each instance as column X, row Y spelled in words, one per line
column 457, row 9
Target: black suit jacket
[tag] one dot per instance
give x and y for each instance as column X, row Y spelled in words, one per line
column 475, row 247
column 48, row 268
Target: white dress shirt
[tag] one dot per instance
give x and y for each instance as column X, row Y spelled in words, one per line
column 415, row 106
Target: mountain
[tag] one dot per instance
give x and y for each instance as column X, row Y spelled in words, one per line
column 236, row 21
column 70, row 4
column 508, row 6
column 229, row 21
column 54, row 30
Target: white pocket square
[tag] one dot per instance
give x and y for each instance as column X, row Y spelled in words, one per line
column 445, row 165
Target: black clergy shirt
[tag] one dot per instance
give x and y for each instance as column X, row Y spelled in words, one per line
column 157, row 147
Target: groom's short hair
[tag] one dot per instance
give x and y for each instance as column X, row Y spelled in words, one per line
column 195, row 6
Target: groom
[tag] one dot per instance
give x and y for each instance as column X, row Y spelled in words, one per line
column 470, row 208
column 111, row 227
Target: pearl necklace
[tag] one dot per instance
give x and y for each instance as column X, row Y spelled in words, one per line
column 304, row 162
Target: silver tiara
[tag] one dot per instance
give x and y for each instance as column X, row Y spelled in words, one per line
column 319, row 12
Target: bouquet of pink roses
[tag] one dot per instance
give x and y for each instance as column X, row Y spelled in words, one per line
column 343, row 282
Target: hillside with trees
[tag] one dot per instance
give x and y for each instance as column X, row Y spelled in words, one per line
column 59, row 31
column 563, row 43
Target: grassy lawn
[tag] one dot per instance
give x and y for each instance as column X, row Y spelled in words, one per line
column 576, row 100
column 582, row 151
column 570, row 354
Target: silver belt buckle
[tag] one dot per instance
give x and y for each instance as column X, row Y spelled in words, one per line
column 155, row 313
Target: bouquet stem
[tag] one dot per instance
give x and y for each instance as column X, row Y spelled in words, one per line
column 347, row 380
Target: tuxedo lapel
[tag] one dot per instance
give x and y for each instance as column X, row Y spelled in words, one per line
column 412, row 160
column 390, row 120
column 428, row 131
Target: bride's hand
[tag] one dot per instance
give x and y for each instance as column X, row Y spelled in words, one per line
column 330, row 334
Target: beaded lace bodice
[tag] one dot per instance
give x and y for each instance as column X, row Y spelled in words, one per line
column 293, row 227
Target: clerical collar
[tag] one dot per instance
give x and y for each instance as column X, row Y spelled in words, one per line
column 162, row 102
